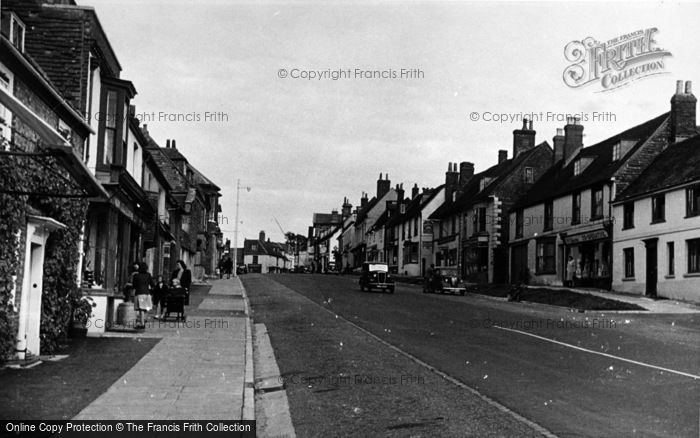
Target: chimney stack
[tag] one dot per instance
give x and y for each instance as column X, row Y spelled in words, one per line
column 451, row 180
column 399, row 193
column 558, row 142
column 573, row 138
column 383, row 186
column 415, row 191
column 466, row 172
column 683, row 112
column 524, row 138
column 363, row 200
column 502, row 156
column 261, row 237
column 347, row 208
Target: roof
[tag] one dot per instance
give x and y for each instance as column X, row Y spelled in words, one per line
column 560, row 180
column 677, row 165
column 170, row 170
column 273, row 249
column 327, row 219
column 364, row 211
column 415, row 206
column 472, row 191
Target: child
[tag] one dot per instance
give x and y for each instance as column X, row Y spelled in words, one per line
column 160, row 292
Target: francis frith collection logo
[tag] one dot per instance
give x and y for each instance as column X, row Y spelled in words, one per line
column 614, row 63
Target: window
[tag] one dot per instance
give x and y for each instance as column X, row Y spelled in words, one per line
column 577, row 167
column 692, row 196
column 629, row 262
column 597, row 203
column 5, row 115
column 110, row 121
column 671, row 259
column 409, row 229
column 403, row 231
column 479, row 219
column 548, row 215
column 255, row 260
column 415, row 226
column 529, row 175
column 16, row 29
column 658, row 209
column 694, row 256
column 454, row 225
column 617, row 151
column 628, row 216
column 576, row 208
column 546, row 255
column 519, row 216
column 254, row 247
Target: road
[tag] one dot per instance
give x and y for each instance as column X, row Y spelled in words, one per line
column 501, row 373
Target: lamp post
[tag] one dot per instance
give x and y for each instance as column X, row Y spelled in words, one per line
column 235, row 230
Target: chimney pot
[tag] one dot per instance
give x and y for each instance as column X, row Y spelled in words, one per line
column 173, row 144
column 689, row 87
column 525, row 123
column 560, row 131
column 529, row 126
column 679, row 87
column 167, row 143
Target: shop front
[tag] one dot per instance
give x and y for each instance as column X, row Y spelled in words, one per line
column 592, row 253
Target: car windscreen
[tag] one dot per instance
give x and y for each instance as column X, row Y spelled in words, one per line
column 448, row 272
column 378, row 267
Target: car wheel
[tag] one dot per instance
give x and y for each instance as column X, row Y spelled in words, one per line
column 391, row 290
column 462, row 293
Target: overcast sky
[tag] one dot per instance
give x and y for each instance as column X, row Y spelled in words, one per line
column 302, row 145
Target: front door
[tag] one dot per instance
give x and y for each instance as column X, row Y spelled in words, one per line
column 652, row 267
column 518, row 261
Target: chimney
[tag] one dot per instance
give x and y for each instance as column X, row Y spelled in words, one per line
column 383, row 186
column 261, row 237
column 466, row 172
column 558, row 141
column 573, row 138
column 310, row 233
column 523, row 139
column 451, row 180
column 683, row 112
column 173, row 144
column 502, row 156
column 167, row 143
column 363, row 200
column 399, row 193
column 335, row 217
column 415, row 191
column 347, row 208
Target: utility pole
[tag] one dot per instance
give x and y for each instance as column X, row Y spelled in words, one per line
column 235, row 230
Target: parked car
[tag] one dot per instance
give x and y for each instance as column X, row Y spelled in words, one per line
column 376, row 276
column 444, row 280
column 241, row 269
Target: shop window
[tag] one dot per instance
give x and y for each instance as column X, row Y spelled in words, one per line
column 694, row 256
column 692, row 195
column 628, row 216
column 597, row 203
column 576, row 208
column 629, row 262
column 658, row 209
column 546, row 256
column 548, row 215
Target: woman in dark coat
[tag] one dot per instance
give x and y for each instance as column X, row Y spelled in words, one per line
column 142, row 289
column 184, row 275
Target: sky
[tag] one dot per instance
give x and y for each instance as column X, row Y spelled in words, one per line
column 230, row 82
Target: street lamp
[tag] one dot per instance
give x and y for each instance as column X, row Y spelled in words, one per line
column 235, row 232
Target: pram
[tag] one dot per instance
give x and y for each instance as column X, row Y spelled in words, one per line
column 175, row 303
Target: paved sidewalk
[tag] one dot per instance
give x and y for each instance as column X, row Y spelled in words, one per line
column 196, row 372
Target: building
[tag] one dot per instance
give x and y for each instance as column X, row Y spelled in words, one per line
column 263, row 256
column 568, row 212
column 656, row 234
column 346, row 241
column 368, row 213
column 324, row 227
column 411, row 233
column 44, row 185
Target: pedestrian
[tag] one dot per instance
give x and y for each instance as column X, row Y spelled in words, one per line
column 160, row 294
column 184, row 276
column 220, row 269
column 228, row 266
column 142, row 288
column 523, row 280
column 570, row 272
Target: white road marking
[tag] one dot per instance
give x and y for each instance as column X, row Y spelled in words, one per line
column 575, row 347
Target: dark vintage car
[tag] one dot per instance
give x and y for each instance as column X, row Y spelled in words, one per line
column 444, row 280
column 375, row 275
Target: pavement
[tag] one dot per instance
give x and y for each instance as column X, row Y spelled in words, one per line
column 202, row 369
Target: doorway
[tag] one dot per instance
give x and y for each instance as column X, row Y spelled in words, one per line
column 652, row 265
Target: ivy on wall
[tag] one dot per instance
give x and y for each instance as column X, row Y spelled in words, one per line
column 60, row 292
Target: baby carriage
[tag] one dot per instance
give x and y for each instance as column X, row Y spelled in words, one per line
column 175, row 303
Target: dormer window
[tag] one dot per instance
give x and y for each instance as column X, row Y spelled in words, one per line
column 617, row 151
column 577, row 167
column 14, row 29
column 529, row 175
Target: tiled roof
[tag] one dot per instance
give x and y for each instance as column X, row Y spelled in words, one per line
column 473, row 191
column 327, row 219
column 678, row 164
column 559, row 180
column 170, row 170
